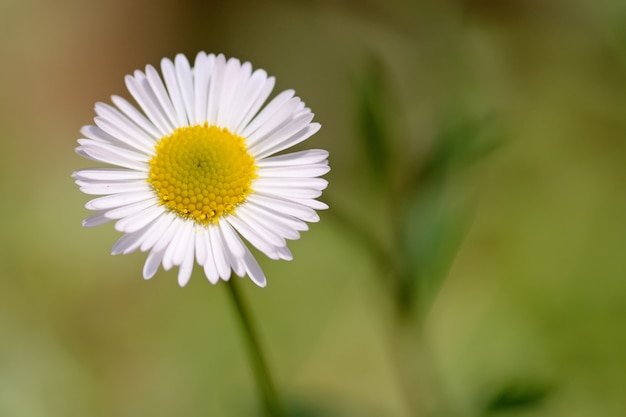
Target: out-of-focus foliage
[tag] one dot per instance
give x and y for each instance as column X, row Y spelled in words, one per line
column 373, row 110
column 518, row 395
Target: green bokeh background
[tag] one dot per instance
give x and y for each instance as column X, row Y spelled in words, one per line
column 530, row 236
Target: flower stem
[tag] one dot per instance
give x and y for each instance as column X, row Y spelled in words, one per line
column 269, row 396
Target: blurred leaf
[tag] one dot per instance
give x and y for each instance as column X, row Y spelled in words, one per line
column 461, row 141
column 437, row 206
column 372, row 111
column 517, row 395
column 296, row 405
column 434, row 229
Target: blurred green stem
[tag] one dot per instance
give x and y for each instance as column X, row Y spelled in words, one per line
column 416, row 370
column 270, row 398
column 411, row 357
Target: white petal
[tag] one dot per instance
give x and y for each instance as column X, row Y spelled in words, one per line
column 291, row 184
column 201, row 245
column 263, row 221
column 279, row 102
column 287, row 193
column 290, row 188
column 294, row 159
column 185, row 83
column 175, row 252
column 151, row 105
column 130, row 209
column 113, row 187
column 266, row 216
column 81, row 152
column 261, row 241
column 314, row 204
column 116, row 124
column 109, row 174
column 169, row 75
column 286, row 207
column 215, row 88
column 230, row 116
column 186, row 245
column 238, row 265
column 96, row 134
column 284, row 253
column 118, row 200
column 114, row 155
column 203, row 67
column 168, row 234
column 270, row 119
column 231, row 260
column 218, row 246
column 140, row 219
column 281, row 128
column 138, row 86
column 266, row 231
column 235, row 245
column 159, row 91
column 156, row 230
column 102, row 140
column 186, row 266
column 152, row 264
column 128, row 243
column 135, row 115
column 96, row 219
column 210, row 269
column 258, row 91
column 254, row 269
column 310, row 171
column 230, row 84
column 211, row 273
column 293, row 140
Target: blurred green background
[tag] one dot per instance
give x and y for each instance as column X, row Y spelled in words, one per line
column 478, row 152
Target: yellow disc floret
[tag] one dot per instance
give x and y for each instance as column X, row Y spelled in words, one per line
column 202, row 172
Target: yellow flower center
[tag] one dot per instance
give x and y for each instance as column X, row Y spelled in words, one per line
column 202, row 172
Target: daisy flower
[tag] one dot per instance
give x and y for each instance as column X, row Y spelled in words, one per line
column 198, row 168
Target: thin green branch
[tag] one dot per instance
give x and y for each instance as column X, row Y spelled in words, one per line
column 273, row 406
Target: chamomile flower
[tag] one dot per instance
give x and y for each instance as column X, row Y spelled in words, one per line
column 198, row 168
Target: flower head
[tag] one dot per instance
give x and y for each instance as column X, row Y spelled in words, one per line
column 199, row 166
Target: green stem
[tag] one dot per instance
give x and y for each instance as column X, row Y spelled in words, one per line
column 272, row 404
